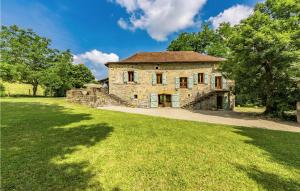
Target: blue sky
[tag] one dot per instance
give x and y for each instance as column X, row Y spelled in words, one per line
column 98, row 31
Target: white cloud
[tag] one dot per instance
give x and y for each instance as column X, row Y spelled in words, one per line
column 96, row 57
column 123, row 24
column 160, row 17
column 130, row 5
column 95, row 60
column 233, row 15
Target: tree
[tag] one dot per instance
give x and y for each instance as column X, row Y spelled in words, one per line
column 206, row 41
column 265, row 54
column 28, row 58
column 26, row 53
column 63, row 75
column 81, row 75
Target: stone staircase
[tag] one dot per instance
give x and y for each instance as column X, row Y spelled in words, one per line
column 199, row 99
column 119, row 101
column 95, row 99
column 204, row 97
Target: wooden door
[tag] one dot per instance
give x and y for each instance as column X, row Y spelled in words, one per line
column 220, row 102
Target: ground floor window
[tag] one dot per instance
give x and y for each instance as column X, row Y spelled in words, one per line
column 183, row 82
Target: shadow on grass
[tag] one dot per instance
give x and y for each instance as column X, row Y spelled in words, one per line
column 282, row 148
column 245, row 116
column 33, row 140
column 270, row 181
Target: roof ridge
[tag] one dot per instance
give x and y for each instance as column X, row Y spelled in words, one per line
column 170, row 56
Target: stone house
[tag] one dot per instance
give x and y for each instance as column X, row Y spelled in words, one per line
column 171, row 79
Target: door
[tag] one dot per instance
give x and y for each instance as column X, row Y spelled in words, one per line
column 164, row 100
column 168, row 100
column 161, row 100
column 219, row 102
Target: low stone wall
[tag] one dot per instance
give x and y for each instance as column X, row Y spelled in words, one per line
column 298, row 112
column 91, row 97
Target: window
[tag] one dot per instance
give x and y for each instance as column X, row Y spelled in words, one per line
column 159, row 78
column 200, row 78
column 218, row 82
column 130, row 76
column 183, row 82
column 135, row 96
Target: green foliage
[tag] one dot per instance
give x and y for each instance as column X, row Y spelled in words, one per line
column 63, row 75
column 265, row 53
column 56, row 145
column 28, row 58
column 27, row 53
column 81, row 75
column 206, row 41
column 2, row 89
column 8, row 73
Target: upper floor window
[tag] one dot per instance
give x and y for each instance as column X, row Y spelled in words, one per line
column 200, row 78
column 183, row 82
column 130, row 76
column 218, row 82
column 158, row 78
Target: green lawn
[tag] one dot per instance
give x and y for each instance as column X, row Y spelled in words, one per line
column 48, row 144
column 253, row 110
column 20, row 89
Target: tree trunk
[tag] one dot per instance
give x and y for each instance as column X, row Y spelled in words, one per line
column 34, row 89
column 270, row 107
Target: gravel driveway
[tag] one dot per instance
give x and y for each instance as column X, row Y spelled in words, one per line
column 220, row 117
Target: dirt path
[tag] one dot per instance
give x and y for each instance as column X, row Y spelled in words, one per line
column 220, row 117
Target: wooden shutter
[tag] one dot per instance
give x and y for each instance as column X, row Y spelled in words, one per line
column 135, row 77
column 177, row 83
column 225, row 102
column 125, row 77
column 190, row 83
column 212, row 81
column 153, row 100
column 153, row 78
column 164, row 78
column 195, row 78
column 206, row 78
column 224, row 83
column 175, row 100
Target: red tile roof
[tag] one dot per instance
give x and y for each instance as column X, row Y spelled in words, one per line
column 169, row 56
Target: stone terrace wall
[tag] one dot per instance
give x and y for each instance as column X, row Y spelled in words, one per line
column 93, row 97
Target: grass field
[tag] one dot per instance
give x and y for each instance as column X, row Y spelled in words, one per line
column 253, row 110
column 48, row 144
column 21, row 89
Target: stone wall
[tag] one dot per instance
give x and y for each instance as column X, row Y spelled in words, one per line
column 144, row 87
column 93, row 97
column 210, row 103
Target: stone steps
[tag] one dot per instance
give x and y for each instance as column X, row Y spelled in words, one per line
column 199, row 99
